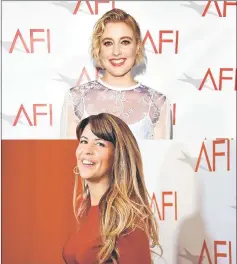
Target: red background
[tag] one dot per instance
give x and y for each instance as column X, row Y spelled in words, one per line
column 37, row 188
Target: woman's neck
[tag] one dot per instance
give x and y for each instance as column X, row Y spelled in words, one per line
column 121, row 81
column 97, row 190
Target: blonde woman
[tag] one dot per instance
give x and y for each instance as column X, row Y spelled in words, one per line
column 116, row 223
column 117, row 48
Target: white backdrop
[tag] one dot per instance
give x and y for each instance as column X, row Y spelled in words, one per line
column 36, row 76
column 40, row 72
column 198, row 208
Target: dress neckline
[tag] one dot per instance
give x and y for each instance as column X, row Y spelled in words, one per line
column 94, row 206
column 117, row 88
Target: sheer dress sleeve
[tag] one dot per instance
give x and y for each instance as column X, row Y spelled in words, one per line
column 161, row 116
column 69, row 120
column 163, row 128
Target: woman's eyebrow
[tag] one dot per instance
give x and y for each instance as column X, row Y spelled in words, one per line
column 125, row 37
column 99, row 139
column 94, row 139
column 107, row 39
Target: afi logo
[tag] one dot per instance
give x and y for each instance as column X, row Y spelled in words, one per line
column 164, row 36
column 160, row 207
column 227, row 254
column 219, row 83
column 84, row 74
column 214, row 154
column 96, row 7
column 45, row 37
column 190, row 257
column 225, row 4
column 47, row 111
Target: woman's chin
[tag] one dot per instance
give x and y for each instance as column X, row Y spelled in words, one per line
column 86, row 176
column 119, row 72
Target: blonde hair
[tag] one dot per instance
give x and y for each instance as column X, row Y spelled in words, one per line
column 115, row 15
column 125, row 205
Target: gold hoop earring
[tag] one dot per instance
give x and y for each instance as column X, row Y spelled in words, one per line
column 76, row 170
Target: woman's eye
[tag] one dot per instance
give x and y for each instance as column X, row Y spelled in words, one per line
column 100, row 144
column 83, row 141
column 126, row 42
column 107, row 43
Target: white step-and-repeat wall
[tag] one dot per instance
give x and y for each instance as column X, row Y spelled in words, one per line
column 191, row 58
column 193, row 190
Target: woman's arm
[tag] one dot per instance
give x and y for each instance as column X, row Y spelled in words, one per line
column 134, row 248
column 69, row 120
column 163, row 128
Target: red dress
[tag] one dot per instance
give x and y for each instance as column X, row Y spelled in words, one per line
column 83, row 246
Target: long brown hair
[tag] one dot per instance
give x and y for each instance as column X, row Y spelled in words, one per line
column 125, row 205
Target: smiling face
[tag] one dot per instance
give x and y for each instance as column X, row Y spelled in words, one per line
column 94, row 157
column 118, row 49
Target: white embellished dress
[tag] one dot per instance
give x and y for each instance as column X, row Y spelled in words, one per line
column 146, row 111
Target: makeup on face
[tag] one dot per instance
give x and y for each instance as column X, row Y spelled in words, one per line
column 94, row 156
column 118, row 49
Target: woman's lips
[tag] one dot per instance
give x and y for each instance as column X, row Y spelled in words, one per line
column 117, row 62
column 88, row 163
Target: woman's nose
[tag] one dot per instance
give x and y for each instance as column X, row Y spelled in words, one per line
column 116, row 50
column 88, row 149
